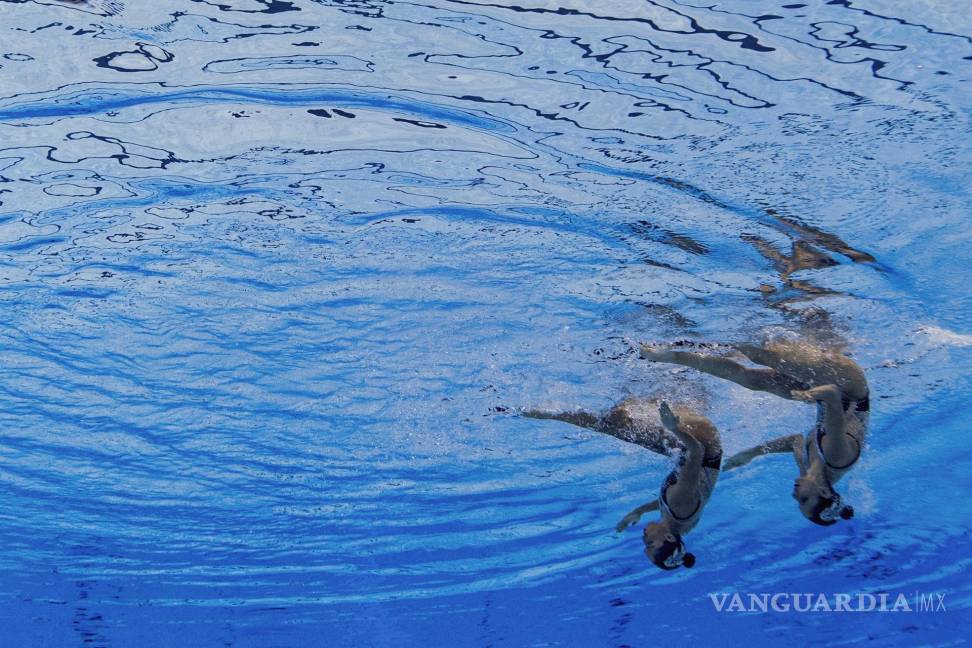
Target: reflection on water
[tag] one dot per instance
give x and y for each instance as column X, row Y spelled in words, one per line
column 275, row 273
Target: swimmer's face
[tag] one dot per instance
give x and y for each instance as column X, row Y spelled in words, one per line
column 664, row 548
column 655, row 535
column 808, row 495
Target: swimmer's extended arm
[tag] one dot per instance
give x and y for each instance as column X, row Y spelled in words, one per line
column 782, row 445
column 635, row 515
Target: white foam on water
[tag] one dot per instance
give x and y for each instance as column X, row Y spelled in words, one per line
column 944, row 336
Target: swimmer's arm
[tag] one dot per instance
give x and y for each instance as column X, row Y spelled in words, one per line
column 829, row 395
column 635, row 515
column 782, row 445
column 683, row 493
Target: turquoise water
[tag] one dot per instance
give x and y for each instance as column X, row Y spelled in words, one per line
column 276, row 276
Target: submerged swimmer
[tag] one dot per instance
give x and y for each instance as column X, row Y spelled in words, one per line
column 796, row 372
column 687, row 488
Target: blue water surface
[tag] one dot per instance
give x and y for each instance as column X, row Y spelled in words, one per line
column 276, row 275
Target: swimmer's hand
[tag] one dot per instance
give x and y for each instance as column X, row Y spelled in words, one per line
column 805, row 396
column 829, row 394
column 628, row 520
column 635, row 515
column 668, row 417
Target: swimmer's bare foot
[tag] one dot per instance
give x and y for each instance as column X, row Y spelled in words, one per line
column 537, row 414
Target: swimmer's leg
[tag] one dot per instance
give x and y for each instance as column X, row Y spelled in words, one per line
column 618, row 423
column 803, row 365
column 774, row 357
column 579, row 418
column 810, row 366
column 766, row 380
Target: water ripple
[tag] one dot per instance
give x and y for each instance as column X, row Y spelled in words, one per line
column 276, row 274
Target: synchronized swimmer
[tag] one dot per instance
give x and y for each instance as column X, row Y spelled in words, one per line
column 791, row 371
column 685, row 490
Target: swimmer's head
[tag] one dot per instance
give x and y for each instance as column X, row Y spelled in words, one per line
column 665, row 548
column 820, row 503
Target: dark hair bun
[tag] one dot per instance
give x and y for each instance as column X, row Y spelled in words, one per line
column 688, row 561
column 847, row 512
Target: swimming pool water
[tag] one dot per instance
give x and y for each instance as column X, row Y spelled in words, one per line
column 277, row 274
